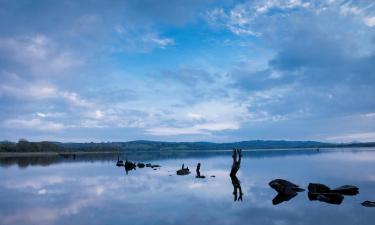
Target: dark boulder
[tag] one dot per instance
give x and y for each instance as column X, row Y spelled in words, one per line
column 148, row 165
column 140, row 165
column 155, row 166
column 183, row 171
column 318, row 188
column 346, row 190
column 368, row 204
column 284, row 187
column 129, row 165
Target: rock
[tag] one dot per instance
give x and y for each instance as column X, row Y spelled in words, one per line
column 148, row 165
column 130, row 164
column 213, row 176
column 368, row 204
column 201, row 177
column 323, row 193
column 155, row 169
column 284, row 187
column 141, row 165
column 283, row 198
column 183, row 172
column 318, row 188
column 155, row 166
column 346, row 190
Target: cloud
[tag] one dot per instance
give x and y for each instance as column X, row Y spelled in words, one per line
column 33, row 124
column 195, row 70
column 354, row 137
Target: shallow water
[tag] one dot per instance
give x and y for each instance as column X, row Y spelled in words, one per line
column 92, row 190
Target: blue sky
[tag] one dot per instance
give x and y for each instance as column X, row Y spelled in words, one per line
column 187, row 70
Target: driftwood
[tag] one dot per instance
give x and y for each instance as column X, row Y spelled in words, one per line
column 237, row 190
column 198, row 172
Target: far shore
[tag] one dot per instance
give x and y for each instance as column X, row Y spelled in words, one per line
column 27, row 154
column 70, row 153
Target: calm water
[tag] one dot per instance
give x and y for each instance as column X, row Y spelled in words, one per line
column 92, row 190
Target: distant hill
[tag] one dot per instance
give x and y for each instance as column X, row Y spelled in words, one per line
column 141, row 145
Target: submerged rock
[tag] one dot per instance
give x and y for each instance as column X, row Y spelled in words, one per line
column 368, row 204
column 140, row 165
column 155, row 166
column 284, row 187
column 148, row 165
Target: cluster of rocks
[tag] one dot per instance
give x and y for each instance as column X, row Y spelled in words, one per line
column 287, row 190
column 129, row 165
column 323, row 193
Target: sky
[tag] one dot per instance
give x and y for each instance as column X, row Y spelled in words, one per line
column 220, row 71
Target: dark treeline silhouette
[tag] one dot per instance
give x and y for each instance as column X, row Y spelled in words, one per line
column 44, row 146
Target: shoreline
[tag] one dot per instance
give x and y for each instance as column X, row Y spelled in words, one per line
column 29, row 154
column 40, row 154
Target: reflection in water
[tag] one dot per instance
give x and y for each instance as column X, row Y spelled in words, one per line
column 325, row 194
column 129, row 166
column 95, row 191
column 237, row 190
column 368, row 204
column 286, row 190
column 279, row 198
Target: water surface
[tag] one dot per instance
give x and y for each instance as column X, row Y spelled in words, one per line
column 92, row 190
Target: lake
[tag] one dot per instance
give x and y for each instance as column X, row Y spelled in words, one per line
column 93, row 190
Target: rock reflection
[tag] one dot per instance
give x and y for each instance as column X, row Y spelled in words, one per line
column 237, row 190
column 368, row 204
column 286, row 190
column 283, row 198
column 129, row 166
column 325, row 194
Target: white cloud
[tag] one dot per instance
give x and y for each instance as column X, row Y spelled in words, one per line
column 369, row 21
column 39, row 54
column 34, row 124
column 242, row 18
column 160, row 42
column 360, row 137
